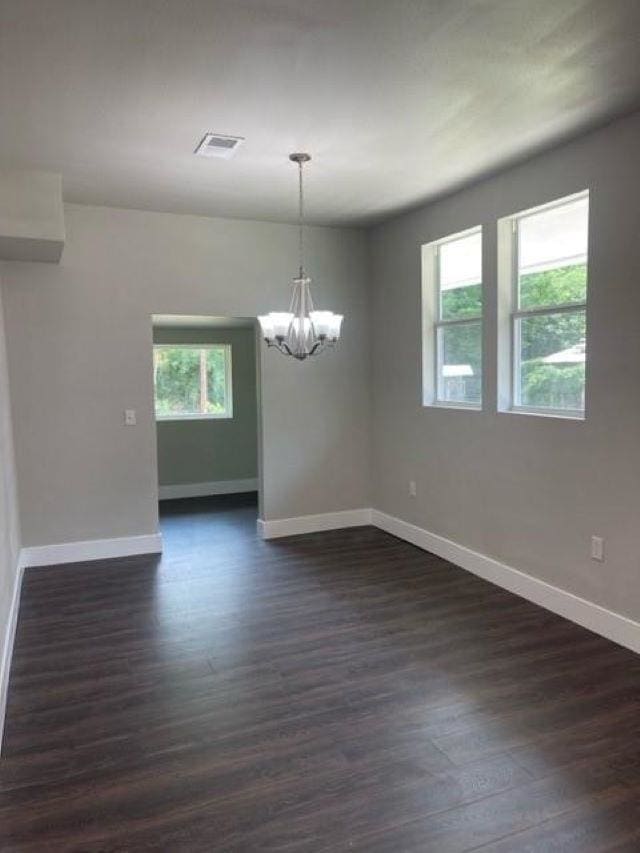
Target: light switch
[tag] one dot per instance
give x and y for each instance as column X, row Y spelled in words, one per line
column 130, row 417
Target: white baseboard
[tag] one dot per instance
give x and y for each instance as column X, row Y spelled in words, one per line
column 201, row 490
column 7, row 648
column 92, row 549
column 313, row 523
column 607, row 623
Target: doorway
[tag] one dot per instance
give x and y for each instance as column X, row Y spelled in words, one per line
column 206, row 412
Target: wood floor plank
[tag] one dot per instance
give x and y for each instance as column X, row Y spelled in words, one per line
column 332, row 692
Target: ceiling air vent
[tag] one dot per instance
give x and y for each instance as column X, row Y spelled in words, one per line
column 218, row 145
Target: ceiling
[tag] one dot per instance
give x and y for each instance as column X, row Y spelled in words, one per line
column 398, row 101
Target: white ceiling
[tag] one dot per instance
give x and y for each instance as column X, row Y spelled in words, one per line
column 397, row 100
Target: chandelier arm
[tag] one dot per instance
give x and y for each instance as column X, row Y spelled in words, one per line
column 302, row 312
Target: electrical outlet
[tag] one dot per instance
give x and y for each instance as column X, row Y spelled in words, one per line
column 412, row 489
column 597, row 548
column 130, row 417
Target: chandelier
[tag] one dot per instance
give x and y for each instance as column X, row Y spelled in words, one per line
column 301, row 331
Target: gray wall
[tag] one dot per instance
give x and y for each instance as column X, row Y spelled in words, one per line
column 527, row 490
column 9, row 527
column 199, row 451
column 80, row 343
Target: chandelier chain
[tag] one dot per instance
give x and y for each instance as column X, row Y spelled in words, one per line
column 301, row 218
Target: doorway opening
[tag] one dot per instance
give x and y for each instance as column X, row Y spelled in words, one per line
column 206, row 400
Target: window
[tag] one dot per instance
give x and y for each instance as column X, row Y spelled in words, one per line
column 192, row 381
column 452, row 320
column 548, row 293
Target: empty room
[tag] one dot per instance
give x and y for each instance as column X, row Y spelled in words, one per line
column 319, row 426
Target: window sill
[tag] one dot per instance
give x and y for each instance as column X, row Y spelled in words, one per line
column 172, row 418
column 459, row 407
column 544, row 413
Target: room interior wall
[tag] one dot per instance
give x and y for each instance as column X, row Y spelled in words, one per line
column 80, row 353
column 213, row 450
column 527, row 490
column 9, row 527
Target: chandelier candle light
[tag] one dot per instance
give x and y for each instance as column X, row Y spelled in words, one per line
column 301, row 331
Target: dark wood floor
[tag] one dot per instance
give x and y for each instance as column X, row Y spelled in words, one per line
column 335, row 692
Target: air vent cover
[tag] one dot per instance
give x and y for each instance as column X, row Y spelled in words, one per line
column 218, row 145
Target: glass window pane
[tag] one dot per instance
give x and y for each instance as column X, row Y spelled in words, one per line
column 460, row 363
column 552, row 255
column 216, row 381
column 550, row 360
column 553, row 287
column 460, row 277
column 461, row 302
column 191, row 381
column 177, row 380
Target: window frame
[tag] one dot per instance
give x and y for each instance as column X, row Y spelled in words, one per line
column 434, row 325
column 516, row 314
column 228, row 372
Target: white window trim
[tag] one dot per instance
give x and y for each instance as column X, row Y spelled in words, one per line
column 509, row 314
column 432, row 323
column 201, row 416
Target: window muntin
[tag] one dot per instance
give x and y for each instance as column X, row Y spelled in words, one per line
column 548, row 321
column 458, row 320
column 192, row 381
